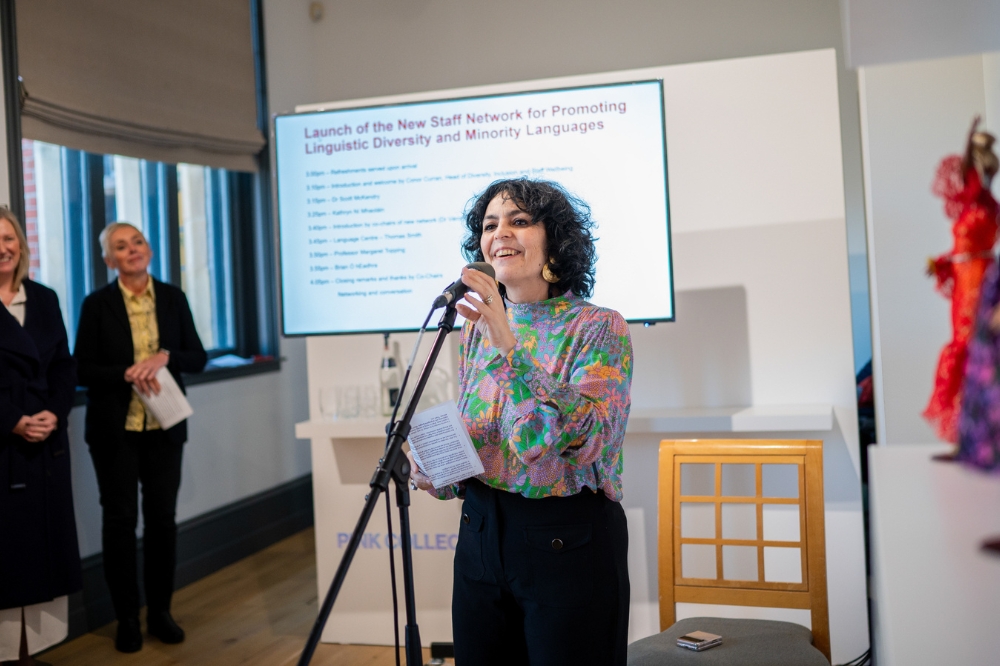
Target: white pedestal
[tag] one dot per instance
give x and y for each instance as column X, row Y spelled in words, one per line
column 772, row 418
column 937, row 595
column 344, row 455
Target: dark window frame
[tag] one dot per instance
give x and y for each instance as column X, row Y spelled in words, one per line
column 250, row 238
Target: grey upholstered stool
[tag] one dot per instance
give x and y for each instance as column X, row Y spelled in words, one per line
column 744, row 643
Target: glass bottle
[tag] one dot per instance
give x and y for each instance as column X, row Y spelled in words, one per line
column 389, row 378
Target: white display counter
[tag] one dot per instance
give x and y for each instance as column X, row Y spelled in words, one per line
column 344, row 454
column 936, row 593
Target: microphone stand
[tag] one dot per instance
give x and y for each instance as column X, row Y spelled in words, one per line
column 393, row 465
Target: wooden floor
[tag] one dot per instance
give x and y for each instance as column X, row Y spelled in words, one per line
column 257, row 611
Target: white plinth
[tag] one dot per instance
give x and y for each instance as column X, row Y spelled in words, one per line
column 937, row 595
column 764, row 418
column 770, row 418
column 344, row 456
column 342, row 429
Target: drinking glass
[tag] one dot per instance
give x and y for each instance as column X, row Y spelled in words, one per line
column 369, row 402
column 350, row 406
column 329, row 402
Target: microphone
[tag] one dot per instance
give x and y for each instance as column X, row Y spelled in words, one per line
column 457, row 289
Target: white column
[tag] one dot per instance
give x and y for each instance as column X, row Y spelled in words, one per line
column 51, row 227
column 128, row 191
column 195, row 278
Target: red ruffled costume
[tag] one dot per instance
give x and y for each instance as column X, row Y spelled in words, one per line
column 959, row 276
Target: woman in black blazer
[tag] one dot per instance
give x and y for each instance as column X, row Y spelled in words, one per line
column 40, row 556
column 128, row 330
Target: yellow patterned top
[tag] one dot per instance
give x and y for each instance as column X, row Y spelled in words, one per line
column 141, row 309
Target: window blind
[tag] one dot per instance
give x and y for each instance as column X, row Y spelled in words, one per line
column 167, row 80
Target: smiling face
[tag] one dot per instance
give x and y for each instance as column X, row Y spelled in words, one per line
column 10, row 251
column 128, row 252
column 515, row 245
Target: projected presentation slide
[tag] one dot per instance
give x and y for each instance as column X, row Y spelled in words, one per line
column 371, row 200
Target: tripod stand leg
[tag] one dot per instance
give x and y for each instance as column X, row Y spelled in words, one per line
column 395, row 466
column 338, row 578
column 414, row 653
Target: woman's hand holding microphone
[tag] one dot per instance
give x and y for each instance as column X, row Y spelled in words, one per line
column 490, row 318
column 487, row 312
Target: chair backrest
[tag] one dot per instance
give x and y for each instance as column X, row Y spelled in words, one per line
column 741, row 523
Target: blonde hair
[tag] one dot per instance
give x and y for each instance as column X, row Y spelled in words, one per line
column 24, row 262
column 107, row 232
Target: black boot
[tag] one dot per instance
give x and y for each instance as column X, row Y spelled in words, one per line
column 162, row 625
column 129, row 637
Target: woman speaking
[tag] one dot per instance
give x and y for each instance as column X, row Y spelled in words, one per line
column 541, row 575
column 128, row 331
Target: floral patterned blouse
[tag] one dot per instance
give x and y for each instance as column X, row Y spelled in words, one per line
column 548, row 419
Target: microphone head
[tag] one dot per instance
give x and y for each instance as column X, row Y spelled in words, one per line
column 483, row 267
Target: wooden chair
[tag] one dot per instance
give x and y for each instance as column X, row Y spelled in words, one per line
column 757, row 506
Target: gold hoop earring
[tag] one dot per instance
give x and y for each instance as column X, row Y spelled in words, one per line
column 548, row 275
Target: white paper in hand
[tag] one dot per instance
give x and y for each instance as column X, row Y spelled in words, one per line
column 170, row 406
column 442, row 447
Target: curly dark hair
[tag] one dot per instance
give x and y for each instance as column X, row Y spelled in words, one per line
column 567, row 230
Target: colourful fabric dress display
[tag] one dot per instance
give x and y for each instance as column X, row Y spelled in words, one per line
column 548, row 419
column 959, row 276
column 979, row 423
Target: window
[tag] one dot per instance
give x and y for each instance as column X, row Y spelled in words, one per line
column 50, row 237
column 206, row 251
column 202, row 224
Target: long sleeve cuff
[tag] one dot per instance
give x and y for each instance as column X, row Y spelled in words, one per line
column 9, row 418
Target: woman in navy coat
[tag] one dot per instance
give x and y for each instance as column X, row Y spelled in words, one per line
column 40, row 556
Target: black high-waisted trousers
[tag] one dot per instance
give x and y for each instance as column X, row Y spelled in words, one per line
column 151, row 459
column 540, row 581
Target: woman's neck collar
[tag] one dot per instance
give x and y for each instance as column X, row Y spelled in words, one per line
column 535, row 305
column 7, row 286
column 7, row 292
column 528, row 295
column 135, row 283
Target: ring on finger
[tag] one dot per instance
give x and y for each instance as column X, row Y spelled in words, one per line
column 489, row 299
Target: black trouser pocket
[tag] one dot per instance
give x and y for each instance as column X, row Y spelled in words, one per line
column 560, row 564
column 469, row 550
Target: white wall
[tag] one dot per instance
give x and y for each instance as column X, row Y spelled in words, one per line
column 884, row 31
column 382, row 47
column 369, row 49
column 913, row 115
column 241, row 441
column 763, row 255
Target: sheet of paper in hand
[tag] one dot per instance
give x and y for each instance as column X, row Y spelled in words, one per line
column 442, row 447
column 170, row 406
